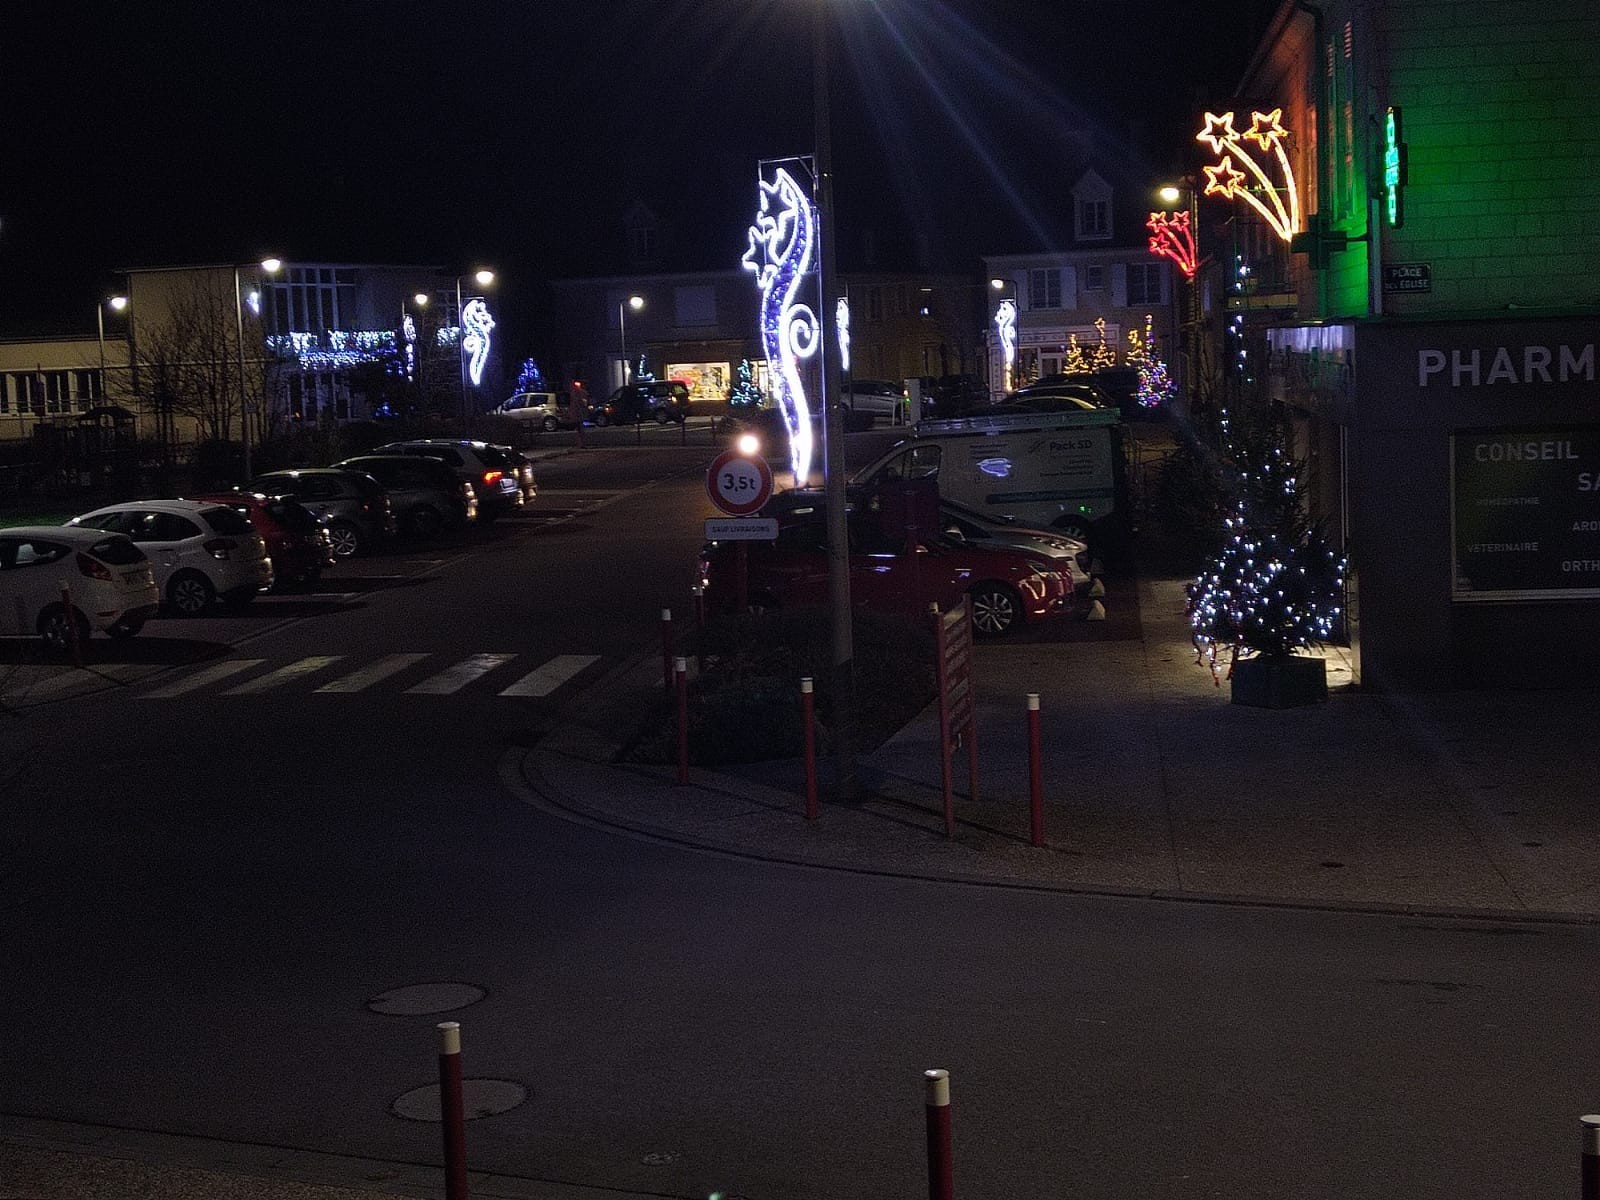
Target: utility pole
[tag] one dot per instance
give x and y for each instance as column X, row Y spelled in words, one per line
column 843, row 642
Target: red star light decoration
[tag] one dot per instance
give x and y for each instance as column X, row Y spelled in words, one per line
column 1172, row 237
column 1277, row 203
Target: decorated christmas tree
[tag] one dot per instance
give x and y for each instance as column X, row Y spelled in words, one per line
column 1102, row 356
column 1155, row 381
column 1077, row 363
column 745, row 393
column 1276, row 586
column 530, row 379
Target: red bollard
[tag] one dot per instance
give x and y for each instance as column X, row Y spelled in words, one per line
column 451, row 1116
column 681, row 669
column 666, row 648
column 941, row 1171
column 808, row 720
column 1035, row 775
column 1591, row 1156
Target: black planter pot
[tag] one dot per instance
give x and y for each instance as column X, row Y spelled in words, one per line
column 1287, row 682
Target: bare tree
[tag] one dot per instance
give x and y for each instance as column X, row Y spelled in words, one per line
column 191, row 359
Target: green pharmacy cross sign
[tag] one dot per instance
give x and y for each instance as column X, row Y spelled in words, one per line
column 1394, row 168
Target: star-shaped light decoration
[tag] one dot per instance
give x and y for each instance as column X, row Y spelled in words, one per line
column 1211, row 133
column 1266, row 129
column 1224, row 179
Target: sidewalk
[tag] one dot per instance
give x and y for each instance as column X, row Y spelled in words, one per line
column 1156, row 785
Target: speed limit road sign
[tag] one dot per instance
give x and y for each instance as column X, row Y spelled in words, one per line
column 739, row 485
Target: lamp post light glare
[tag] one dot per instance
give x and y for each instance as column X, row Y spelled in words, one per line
column 271, row 266
column 748, row 445
column 636, row 303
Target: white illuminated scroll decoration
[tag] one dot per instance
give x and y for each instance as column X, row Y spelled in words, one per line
column 1005, row 325
column 475, row 325
column 782, row 243
column 841, row 323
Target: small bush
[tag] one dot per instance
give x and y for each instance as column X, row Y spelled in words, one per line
column 745, row 705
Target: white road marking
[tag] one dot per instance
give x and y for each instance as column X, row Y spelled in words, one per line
column 283, row 675
column 204, row 678
column 550, row 676
column 88, row 676
column 453, row 679
column 389, row 664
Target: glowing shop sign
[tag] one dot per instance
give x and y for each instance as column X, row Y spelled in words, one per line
column 1278, row 204
column 476, row 324
column 782, row 246
column 841, row 323
column 1394, row 168
column 1005, row 325
column 1172, row 236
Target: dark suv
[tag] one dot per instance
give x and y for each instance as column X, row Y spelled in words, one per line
column 495, row 472
column 659, row 400
column 428, row 497
column 352, row 504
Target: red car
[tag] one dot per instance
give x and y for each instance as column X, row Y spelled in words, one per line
column 297, row 543
column 1007, row 587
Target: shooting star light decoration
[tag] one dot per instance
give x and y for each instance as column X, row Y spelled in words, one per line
column 1278, row 204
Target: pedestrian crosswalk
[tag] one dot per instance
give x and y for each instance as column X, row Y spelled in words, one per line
column 410, row 674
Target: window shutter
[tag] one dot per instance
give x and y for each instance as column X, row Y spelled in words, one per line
column 1069, row 286
column 1119, row 285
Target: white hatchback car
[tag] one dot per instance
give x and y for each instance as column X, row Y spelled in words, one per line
column 201, row 553
column 106, row 578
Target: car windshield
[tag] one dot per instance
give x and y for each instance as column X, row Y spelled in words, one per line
column 117, row 552
column 494, row 457
column 227, row 520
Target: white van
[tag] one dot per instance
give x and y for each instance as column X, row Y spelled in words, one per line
column 1060, row 470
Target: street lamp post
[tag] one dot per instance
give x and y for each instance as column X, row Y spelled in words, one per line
column 1172, row 195
column 635, row 303
column 118, row 303
column 483, row 278
column 271, row 266
column 843, row 637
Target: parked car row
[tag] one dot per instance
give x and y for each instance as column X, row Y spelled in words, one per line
column 115, row 567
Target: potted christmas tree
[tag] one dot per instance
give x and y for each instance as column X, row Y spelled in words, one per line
column 1276, row 587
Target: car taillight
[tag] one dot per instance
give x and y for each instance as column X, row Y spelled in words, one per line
column 93, row 569
column 220, row 547
column 492, row 477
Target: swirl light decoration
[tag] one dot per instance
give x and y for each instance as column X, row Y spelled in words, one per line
column 841, row 325
column 475, row 326
column 1278, row 203
column 781, row 253
column 1005, row 326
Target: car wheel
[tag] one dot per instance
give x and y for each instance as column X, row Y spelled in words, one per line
column 56, row 627
column 662, row 416
column 1072, row 527
column 345, row 539
column 126, row 628
column 550, row 425
column 996, row 609
column 190, row 593
column 601, row 420
column 426, row 523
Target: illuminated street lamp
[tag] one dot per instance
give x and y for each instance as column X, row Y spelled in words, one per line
column 118, row 304
column 271, row 266
column 483, row 278
column 635, row 303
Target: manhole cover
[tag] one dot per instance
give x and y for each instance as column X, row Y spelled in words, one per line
column 421, row 999
column 479, row 1098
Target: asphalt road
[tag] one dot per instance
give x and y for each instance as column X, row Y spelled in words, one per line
column 201, row 892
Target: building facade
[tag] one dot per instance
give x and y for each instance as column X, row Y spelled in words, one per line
column 1076, row 307
column 1435, row 337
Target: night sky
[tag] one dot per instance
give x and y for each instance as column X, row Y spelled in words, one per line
column 514, row 134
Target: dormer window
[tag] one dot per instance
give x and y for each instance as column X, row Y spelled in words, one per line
column 1091, row 203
